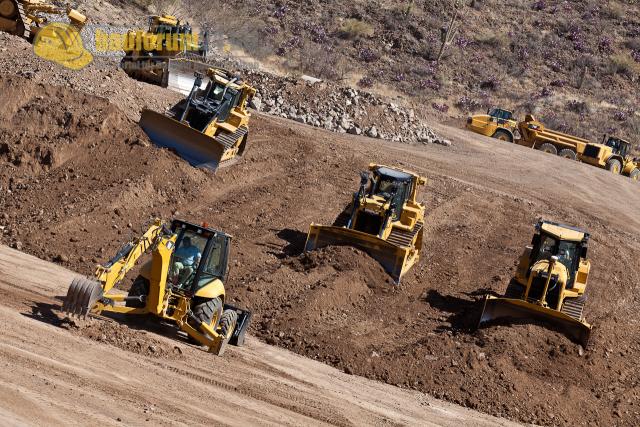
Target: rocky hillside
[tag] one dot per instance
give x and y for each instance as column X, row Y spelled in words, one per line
column 573, row 63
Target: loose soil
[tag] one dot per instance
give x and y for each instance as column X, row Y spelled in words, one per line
column 78, row 178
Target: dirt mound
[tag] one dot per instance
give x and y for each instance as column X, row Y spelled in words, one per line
column 43, row 127
column 335, row 305
column 324, row 289
column 125, row 337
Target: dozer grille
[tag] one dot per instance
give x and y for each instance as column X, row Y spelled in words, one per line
column 537, row 287
column 573, row 307
column 342, row 219
column 228, row 140
column 404, row 238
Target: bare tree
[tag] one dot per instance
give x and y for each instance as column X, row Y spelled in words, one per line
column 448, row 34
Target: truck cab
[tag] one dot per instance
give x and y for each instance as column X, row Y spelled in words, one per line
column 613, row 154
column 497, row 123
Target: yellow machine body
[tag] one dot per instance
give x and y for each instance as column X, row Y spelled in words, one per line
column 163, row 290
column 500, row 124
column 497, row 123
column 549, row 284
column 25, row 18
column 535, row 135
column 613, row 155
column 384, row 219
column 150, row 55
column 211, row 127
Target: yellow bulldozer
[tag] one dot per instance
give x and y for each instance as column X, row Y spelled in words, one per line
column 384, row 219
column 24, row 18
column 550, row 282
column 183, row 282
column 208, row 129
column 613, row 155
column 166, row 55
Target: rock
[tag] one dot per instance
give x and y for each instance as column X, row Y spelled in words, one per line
column 345, row 123
column 61, row 258
column 17, row 245
column 355, row 130
column 5, row 216
column 348, row 370
column 372, row 132
column 256, row 103
column 309, row 79
column 271, row 341
column 444, row 142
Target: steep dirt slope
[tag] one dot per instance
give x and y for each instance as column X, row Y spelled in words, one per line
column 55, row 376
column 102, row 182
column 336, row 306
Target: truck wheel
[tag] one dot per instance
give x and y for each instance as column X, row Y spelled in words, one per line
column 139, row 287
column 548, row 148
column 635, row 175
column 614, row 166
column 568, row 153
column 503, row 135
column 208, row 311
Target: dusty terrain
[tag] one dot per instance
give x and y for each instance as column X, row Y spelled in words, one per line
column 99, row 181
column 56, row 374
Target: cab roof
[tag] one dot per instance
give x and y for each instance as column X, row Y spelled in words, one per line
column 563, row 231
column 395, row 174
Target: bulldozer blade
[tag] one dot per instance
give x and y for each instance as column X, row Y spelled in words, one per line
column 198, row 149
column 181, row 75
column 516, row 309
column 82, row 295
column 244, row 318
column 391, row 257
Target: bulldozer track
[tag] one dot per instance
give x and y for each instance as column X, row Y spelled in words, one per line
column 573, row 307
column 228, row 140
column 296, row 403
column 404, row 238
column 23, row 18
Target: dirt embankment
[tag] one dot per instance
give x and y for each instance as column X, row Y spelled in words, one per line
column 103, row 183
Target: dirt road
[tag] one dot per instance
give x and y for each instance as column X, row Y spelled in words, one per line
column 53, row 376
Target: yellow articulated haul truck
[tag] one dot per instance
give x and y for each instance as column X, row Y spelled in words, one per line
column 612, row 155
column 500, row 124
